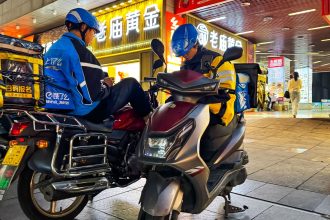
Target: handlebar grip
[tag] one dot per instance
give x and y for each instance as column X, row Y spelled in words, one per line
column 150, row 79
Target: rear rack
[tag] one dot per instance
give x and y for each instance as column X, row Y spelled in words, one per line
column 87, row 159
column 42, row 119
column 83, row 159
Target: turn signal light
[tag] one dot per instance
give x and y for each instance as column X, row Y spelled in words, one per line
column 42, row 144
column 18, row 128
column 13, row 143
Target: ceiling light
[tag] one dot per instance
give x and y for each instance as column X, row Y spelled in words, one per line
column 129, row 1
column 18, row 27
column 257, row 51
column 34, row 20
column 263, row 43
column 54, row 12
column 319, row 61
column 317, row 28
column 293, row 60
column 302, row 12
column 94, row 13
column 115, row 6
column 244, row 4
column 216, row 19
column 312, row 45
column 107, row 9
column 328, row 39
column 122, row 3
column 266, row 19
column 325, row 64
column 19, row 36
column 78, row 2
column 286, row 28
column 100, row 11
column 246, row 32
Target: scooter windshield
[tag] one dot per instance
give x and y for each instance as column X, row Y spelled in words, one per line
column 187, row 81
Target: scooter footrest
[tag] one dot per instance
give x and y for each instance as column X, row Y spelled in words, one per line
column 235, row 209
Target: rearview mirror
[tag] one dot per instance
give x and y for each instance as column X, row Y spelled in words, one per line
column 158, row 48
column 232, row 53
column 157, row 64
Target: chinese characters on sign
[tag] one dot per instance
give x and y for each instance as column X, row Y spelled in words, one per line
column 275, row 62
column 151, row 17
column 217, row 40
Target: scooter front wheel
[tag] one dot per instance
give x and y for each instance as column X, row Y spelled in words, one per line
column 145, row 216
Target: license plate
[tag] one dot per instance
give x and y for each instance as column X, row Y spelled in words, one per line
column 9, row 166
column 14, row 155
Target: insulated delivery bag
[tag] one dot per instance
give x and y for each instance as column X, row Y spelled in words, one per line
column 21, row 72
column 246, row 86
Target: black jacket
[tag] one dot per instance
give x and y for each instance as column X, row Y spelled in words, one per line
column 197, row 62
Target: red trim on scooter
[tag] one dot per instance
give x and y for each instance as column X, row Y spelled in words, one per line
column 169, row 115
column 128, row 120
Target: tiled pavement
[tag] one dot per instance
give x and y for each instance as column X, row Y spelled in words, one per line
column 289, row 178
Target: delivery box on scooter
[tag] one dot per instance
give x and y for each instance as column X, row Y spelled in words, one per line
column 246, row 85
column 21, row 69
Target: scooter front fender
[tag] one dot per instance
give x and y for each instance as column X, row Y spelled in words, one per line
column 160, row 195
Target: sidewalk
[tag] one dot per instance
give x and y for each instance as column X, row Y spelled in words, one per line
column 289, row 177
column 122, row 204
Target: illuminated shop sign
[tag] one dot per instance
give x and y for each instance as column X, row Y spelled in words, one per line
column 150, row 17
column 217, row 40
column 128, row 28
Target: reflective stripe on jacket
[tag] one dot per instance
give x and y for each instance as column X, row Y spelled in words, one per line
column 227, row 76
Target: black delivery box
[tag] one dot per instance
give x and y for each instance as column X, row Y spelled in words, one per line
column 251, row 69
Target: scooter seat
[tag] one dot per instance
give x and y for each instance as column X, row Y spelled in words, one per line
column 215, row 138
column 93, row 127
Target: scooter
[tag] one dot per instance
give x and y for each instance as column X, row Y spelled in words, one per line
column 187, row 162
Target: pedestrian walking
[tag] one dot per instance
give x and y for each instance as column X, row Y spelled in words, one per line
column 294, row 87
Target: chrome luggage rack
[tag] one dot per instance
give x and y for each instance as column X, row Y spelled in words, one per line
column 43, row 121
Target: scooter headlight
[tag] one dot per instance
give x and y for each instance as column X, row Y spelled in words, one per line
column 159, row 147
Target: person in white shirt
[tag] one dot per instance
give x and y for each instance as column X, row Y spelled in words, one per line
column 294, row 87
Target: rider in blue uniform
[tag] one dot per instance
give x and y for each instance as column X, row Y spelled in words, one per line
column 76, row 68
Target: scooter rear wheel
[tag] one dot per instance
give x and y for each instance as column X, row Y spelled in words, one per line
column 35, row 207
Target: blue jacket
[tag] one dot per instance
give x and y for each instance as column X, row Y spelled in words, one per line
column 74, row 67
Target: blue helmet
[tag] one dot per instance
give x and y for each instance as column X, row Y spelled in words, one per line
column 184, row 38
column 80, row 15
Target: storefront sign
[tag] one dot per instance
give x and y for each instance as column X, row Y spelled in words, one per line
column 185, row 6
column 151, row 21
column 128, row 28
column 275, row 62
column 326, row 10
column 172, row 22
column 217, row 39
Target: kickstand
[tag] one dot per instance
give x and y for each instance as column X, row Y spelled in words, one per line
column 91, row 198
column 230, row 208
